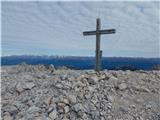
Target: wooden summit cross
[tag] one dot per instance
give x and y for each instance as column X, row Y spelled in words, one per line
column 98, row 32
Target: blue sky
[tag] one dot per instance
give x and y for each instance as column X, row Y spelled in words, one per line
column 55, row 28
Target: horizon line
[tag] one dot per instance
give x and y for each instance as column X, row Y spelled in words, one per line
column 76, row 56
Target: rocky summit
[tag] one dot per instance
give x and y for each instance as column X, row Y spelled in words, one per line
column 38, row 92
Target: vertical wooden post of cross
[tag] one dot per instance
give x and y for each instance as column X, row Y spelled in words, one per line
column 98, row 34
column 98, row 53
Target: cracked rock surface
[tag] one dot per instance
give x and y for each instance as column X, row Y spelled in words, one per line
column 37, row 92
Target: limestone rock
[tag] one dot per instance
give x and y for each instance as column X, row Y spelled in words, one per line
column 110, row 98
column 19, row 87
column 93, row 79
column 33, row 92
column 66, row 109
column 60, row 107
column 72, row 99
column 33, row 110
column 51, row 68
column 48, row 100
column 29, row 85
column 53, row 115
column 59, row 86
column 122, row 86
column 7, row 116
column 66, row 101
column 77, row 107
column 141, row 88
column 11, row 109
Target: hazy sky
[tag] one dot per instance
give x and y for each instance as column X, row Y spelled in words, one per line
column 55, row 28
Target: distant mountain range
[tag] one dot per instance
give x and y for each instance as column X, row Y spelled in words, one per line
column 78, row 62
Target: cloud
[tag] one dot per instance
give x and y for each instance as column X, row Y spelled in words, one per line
column 56, row 28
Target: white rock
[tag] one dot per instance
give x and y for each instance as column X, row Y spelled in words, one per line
column 59, row 85
column 33, row 110
column 22, row 118
column 63, row 76
column 19, row 87
column 40, row 118
column 7, row 116
column 77, row 107
column 122, row 86
column 48, row 100
column 93, row 79
column 94, row 100
column 141, row 89
column 11, row 109
column 66, row 101
column 85, row 117
column 60, row 107
column 112, row 78
column 91, row 89
column 51, row 67
column 72, row 99
column 113, row 81
column 66, row 109
column 53, row 115
column 29, row 85
column 92, row 107
column 110, row 98
column 87, row 96
column 102, row 77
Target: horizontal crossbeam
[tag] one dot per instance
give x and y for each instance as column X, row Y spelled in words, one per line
column 108, row 31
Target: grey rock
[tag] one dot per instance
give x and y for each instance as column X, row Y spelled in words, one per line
column 23, row 118
column 87, row 96
column 85, row 117
column 60, row 107
column 49, row 100
column 29, row 85
column 78, row 107
column 112, row 78
column 102, row 77
column 92, row 107
column 51, row 68
column 19, row 87
column 11, row 109
column 94, row 100
column 66, row 109
column 95, row 115
column 7, row 116
column 66, row 101
column 122, row 86
column 59, row 86
column 141, row 88
column 63, row 76
column 33, row 110
column 53, row 115
column 93, row 79
column 110, row 98
column 72, row 99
